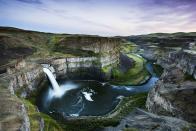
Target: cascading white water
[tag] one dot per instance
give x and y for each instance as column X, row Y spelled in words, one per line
column 52, row 79
column 57, row 91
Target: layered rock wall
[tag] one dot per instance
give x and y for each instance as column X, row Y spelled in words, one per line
column 175, row 92
column 28, row 74
column 100, row 51
column 24, row 75
column 89, row 66
column 184, row 60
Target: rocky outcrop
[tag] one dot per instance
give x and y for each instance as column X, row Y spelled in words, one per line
column 153, row 53
column 82, row 45
column 173, row 95
column 24, row 77
column 13, row 115
column 185, row 60
column 145, row 121
column 175, row 92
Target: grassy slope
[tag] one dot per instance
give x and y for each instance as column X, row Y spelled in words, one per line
column 135, row 75
column 35, row 118
column 18, row 44
column 128, row 47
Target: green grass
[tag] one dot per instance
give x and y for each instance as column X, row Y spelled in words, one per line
column 130, row 129
column 139, row 64
column 129, row 103
column 55, row 39
column 106, row 69
column 134, row 76
column 88, row 124
column 49, row 123
column 128, row 47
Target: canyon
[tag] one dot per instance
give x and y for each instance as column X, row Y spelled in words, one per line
column 119, row 61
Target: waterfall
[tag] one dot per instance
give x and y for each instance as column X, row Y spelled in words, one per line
column 58, row 91
column 52, row 79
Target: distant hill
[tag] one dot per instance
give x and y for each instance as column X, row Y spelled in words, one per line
column 179, row 39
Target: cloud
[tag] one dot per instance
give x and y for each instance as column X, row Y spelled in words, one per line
column 31, row 1
column 111, row 17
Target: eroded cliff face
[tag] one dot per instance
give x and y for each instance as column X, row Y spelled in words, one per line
column 24, row 77
column 153, row 53
column 71, row 56
column 87, row 45
column 175, row 93
column 84, row 67
column 13, row 114
column 94, row 53
column 21, row 70
column 91, row 54
column 184, row 60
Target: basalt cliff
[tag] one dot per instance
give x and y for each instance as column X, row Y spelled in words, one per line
column 174, row 93
column 169, row 105
column 71, row 56
column 23, row 55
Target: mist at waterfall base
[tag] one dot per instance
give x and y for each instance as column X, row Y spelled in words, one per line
column 56, row 90
column 86, row 98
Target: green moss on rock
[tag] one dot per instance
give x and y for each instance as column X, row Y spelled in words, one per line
column 128, row 47
column 106, row 69
column 134, row 76
column 128, row 104
column 35, row 119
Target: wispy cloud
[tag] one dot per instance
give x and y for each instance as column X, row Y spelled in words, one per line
column 111, row 17
column 31, row 1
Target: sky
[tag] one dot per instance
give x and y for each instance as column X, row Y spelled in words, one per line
column 100, row 17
